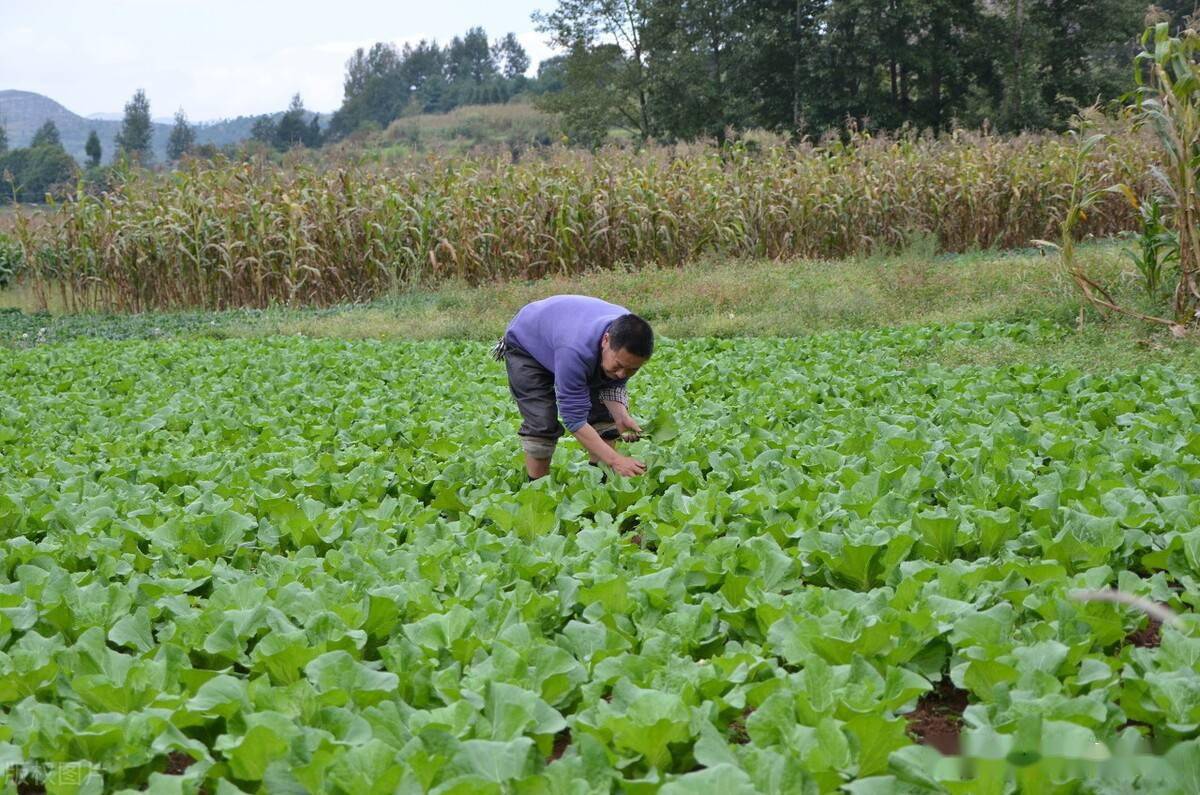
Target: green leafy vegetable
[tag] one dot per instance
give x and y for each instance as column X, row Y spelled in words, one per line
column 314, row 565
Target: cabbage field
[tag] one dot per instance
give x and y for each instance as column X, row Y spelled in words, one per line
column 295, row 565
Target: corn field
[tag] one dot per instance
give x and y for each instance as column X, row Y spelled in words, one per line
column 222, row 235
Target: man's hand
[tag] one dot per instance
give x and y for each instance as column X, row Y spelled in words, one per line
column 603, row 451
column 628, row 467
column 628, row 427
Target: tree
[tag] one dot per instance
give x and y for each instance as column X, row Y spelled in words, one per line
column 263, row 130
column 375, row 89
column 36, row 171
column 594, row 95
column 182, row 138
column 470, row 57
column 92, row 149
column 808, row 66
column 697, row 67
column 47, row 135
column 589, row 30
column 312, row 138
column 382, row 59
column 421, row 63
column 845, row 74
column 1086, row 51
column 782, row 44
column 292, row 130
column 134, row 139
column 1055, row 56
column 698, row 46
column 3, row 140
column 510, row 57
column 435, row 95
column 384, row 83
column 939, row 43
column 551, row 75
column 49, row 167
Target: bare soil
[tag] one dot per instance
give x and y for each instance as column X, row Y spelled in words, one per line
column 1148, row 637
column 562, row 741
column 737, row 728
column 937, row 720
column 177, row 763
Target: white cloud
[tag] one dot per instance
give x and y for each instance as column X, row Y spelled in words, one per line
column 341, row 47
column 108, row 51
column 224, row 58
column 536, row 48
column 256, row 85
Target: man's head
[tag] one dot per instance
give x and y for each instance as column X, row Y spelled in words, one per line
column 625, row 347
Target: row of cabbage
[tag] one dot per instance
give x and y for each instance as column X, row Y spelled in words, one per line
column 297, row 565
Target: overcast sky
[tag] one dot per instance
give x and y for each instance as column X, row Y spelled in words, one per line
column 223, row 58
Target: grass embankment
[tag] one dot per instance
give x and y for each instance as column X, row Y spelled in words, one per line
column 713, row 298
column 511, row 128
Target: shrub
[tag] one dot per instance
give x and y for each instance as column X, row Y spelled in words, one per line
column 10, row 260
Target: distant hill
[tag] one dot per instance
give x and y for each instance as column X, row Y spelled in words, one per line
column 23, row 112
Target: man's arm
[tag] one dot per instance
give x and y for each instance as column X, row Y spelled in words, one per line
column 574, row 404
column 616, row 399
column 594, row 444
column 626, row 424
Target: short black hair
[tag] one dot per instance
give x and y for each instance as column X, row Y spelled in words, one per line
column 631, row 333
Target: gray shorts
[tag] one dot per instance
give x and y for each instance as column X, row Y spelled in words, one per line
column 532, row 386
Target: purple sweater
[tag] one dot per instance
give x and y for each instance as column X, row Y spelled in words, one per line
column 563, row 333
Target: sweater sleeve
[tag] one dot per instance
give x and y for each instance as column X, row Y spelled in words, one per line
column 571, row 389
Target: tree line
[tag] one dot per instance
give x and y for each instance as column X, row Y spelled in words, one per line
column 680, row 70
column 385, row 82
column 670, row 70
column 27, row 174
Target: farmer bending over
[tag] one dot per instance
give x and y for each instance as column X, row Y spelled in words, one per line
column 570, row 356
